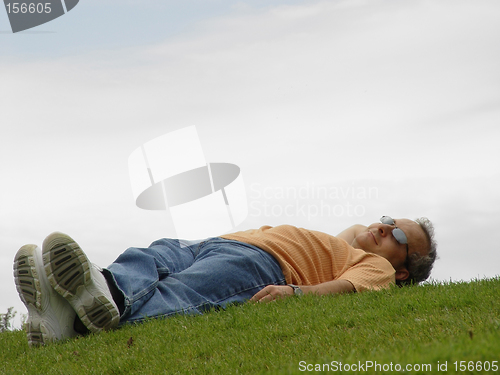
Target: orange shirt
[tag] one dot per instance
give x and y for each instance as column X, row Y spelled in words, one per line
column 309, row 257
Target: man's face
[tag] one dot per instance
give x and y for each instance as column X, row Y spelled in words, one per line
column 378, row 239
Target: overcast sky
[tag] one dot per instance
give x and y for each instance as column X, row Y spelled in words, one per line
column 391, row 107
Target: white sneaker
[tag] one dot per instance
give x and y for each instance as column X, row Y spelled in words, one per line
column 80, row 282
column 50, row 317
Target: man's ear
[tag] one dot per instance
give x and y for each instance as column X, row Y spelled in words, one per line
column 402, row 274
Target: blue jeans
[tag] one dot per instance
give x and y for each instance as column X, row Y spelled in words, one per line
column 167, row 278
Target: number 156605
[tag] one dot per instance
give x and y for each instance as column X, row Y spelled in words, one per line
column 28, row 8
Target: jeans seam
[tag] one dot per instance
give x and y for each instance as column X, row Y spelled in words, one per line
column 183, row 311
column 247, row 289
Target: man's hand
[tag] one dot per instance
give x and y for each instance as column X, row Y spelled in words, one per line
column 272, row 292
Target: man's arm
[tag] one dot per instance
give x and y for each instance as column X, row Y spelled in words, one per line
column 272, row 292
column 350, row 233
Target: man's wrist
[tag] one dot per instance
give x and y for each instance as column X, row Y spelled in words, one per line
column 296, row 290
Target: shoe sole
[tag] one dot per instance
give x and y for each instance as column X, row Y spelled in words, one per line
column 29, row 288
column 69, row 272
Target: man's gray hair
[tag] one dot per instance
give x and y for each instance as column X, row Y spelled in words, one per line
column 420, row 266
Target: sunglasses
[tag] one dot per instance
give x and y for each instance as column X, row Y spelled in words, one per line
column 398, row 234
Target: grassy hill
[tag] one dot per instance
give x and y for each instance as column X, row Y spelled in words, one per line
column 453, row 327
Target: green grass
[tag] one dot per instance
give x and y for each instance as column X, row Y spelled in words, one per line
column 431, row 324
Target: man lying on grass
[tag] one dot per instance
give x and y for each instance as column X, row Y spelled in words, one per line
column 66, row 295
